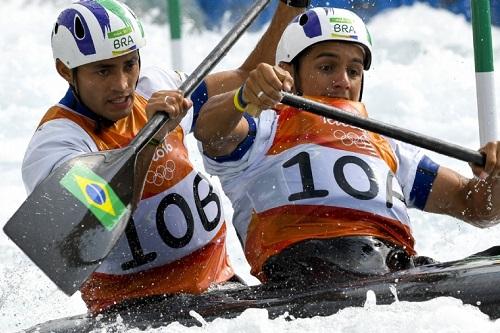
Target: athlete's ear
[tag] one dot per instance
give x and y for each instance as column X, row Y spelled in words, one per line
column 287, row 66
column 290, row 68
column 64, row 71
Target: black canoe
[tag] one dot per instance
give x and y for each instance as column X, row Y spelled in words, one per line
column 474, row 280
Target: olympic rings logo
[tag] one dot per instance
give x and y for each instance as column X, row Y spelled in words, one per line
column 351, row 138
column 162, row 173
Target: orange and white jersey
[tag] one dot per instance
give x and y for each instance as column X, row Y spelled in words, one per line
column 304, row 176
column 175, row 241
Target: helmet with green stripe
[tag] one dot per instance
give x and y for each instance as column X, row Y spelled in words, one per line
column 94, row 30
column 323, row 24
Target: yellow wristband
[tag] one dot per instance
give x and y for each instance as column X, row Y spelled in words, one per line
column 238, row 100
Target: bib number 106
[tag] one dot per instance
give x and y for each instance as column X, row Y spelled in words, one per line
column 140, row 258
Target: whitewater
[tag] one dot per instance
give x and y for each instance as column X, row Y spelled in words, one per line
column 422, row 78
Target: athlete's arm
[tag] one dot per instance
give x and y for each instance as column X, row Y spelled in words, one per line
column 264, row 52
column 476, row 200
column 223, row 85
column 221, row 127
column 53, row 143
column 175, row 105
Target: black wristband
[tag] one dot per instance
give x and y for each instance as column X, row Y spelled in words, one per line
column 155, row 142
column 297, row 3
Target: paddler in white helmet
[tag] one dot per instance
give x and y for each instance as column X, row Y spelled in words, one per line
column 316, row 199
column 175, row 241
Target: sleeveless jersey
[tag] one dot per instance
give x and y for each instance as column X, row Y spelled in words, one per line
column 309, row 177
column 175, row 240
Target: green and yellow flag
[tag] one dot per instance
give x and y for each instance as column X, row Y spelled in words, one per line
column 96, row 194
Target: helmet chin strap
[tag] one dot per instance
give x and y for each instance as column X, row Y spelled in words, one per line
column 362, row 86
column 74, row 86
column 139, row 62
column 296, row 79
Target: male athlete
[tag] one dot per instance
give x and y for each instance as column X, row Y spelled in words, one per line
column 176, row 239
column 316, row 198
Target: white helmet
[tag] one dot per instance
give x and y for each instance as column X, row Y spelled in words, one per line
column 323, row 24
column 94, row 30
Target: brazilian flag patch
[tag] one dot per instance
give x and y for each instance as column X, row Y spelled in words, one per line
column 96, row 194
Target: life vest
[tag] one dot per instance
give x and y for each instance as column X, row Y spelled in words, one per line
column 176, row 239
column 317, row 178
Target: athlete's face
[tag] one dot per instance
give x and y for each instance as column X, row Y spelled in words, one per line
column 332, row 69
column 107, row 87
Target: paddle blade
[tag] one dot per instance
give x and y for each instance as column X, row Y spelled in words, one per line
column 72, row 220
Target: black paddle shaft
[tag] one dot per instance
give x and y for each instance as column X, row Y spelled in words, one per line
column 416, row 139
column 74, row 217
column 202, row 70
